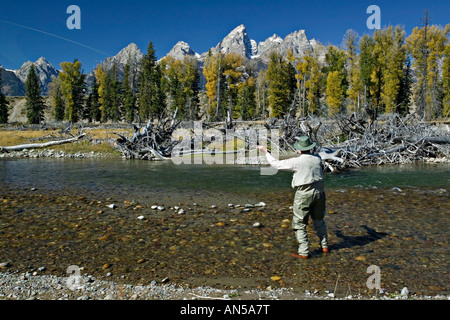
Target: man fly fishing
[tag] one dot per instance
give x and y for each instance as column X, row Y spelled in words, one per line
column 309, row 199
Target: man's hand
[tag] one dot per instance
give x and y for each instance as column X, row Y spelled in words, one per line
column 262, row 148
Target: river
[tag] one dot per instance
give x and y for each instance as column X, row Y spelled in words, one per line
column 55, row 213
column 164, row 179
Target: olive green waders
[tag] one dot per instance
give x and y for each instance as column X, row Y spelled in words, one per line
column 309, row 201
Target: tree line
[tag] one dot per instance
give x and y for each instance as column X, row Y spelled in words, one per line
column 387, row 72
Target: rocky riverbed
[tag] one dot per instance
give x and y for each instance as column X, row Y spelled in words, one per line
column 126, row 248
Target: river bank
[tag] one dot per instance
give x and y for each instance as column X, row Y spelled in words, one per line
column 32, row 286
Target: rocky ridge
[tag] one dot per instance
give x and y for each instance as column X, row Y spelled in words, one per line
column 237, row 41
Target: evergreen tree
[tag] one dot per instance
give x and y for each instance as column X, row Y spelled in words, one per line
column 302, row 74
column 94, row 102
column 246, row 102
column 366, row 65
column 86, row 114
column 57, row 99
column 292, row 59
column 282, row 84
column 262, row 87
column 405, row 92
column 151, row 97
column 129, row 98
column 34, row 102
column 115, row 113
column 4, row 104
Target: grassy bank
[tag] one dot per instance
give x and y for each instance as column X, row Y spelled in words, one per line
column 99, row 140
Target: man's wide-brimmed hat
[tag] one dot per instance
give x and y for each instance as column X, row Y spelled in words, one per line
column 304, row 144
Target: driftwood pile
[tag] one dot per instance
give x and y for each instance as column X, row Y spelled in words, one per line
column 293, row 128
column 343, row 143
column 149, row 142
column 359, row 140
column 394, row 140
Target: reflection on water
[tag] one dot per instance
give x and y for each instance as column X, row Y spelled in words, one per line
column 163, row 177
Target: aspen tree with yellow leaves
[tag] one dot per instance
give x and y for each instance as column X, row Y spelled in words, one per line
column 354, row 89
column 446, row 81
column 426, row 45
column 73, row 88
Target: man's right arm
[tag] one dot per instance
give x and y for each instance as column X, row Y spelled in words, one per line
column 288, row 164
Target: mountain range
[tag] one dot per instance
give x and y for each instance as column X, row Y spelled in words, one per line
column 236, row 41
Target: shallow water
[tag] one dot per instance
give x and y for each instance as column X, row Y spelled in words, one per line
column 153, row 177
column 394, row 217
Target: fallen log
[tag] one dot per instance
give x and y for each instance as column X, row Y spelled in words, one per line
column 41, row 145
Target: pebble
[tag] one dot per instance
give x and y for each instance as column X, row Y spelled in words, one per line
column 257, row 224
column 404, row 292
column 4, row 264
column 112, row 206
column 141, row 217
column 154, row 207
column 261, row 204
column 165, row 280
column 181, row 211
column 161, row 208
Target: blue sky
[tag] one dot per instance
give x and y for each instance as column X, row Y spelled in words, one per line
column 109, row 26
